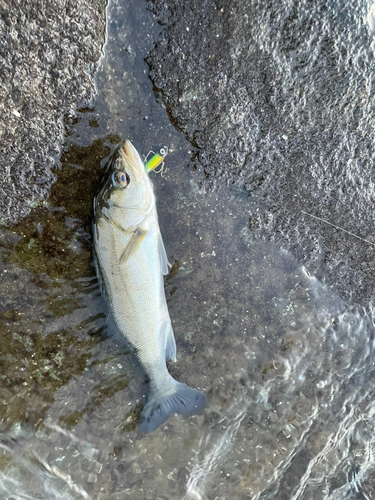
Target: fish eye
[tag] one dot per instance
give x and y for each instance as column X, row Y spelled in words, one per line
column 120, row 179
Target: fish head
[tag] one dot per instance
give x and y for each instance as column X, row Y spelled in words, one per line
column 126, row 196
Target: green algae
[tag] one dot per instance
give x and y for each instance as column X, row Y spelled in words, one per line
column 132, row 418
column 55, row 238
column 72, row 419
column 100, row 393
column 60, row 306
column 34, row 366
column 53, row 243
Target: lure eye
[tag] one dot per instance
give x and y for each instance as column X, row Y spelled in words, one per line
column 120, row 179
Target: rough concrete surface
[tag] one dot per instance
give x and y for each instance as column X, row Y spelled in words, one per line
column 277, row 98
column 47, row 51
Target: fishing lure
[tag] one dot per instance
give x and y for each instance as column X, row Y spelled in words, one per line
column 156, row 160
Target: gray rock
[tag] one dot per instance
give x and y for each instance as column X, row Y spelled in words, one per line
column 276, row 98
column 47, row 52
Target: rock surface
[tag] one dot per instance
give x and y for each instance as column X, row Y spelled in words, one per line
column 277, row 97
column 47, row 52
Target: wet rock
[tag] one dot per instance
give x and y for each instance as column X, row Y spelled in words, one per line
column 47, row 52
column 276, row 99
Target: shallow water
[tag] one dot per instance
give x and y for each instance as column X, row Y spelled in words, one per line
column 287, row 366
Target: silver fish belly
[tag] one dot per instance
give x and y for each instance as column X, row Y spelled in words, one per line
column 131, row 261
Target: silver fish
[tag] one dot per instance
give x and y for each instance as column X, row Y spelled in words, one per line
column 131, row 261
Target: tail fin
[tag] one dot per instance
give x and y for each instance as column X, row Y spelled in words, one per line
column 159, row 408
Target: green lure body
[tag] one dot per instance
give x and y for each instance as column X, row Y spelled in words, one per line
column 156, row 160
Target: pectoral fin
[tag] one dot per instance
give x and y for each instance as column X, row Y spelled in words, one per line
column 163, row 256
column 133, row 244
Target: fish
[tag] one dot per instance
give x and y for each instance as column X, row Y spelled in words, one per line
column 131, row 263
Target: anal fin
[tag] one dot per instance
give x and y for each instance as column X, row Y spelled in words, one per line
column 170, row 346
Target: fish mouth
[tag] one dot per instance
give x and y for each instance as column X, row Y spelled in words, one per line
column 132, row 162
